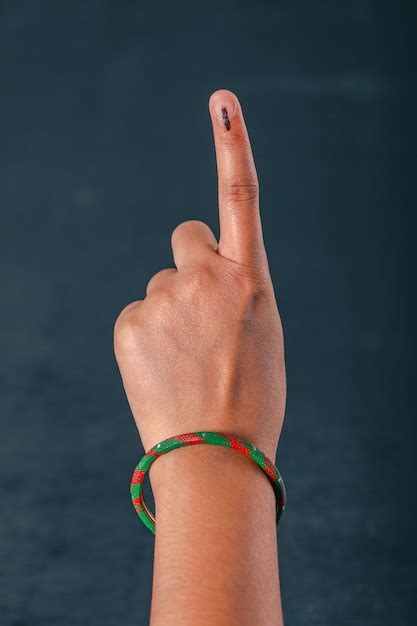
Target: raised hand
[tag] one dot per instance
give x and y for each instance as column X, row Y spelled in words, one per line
column 204, row 349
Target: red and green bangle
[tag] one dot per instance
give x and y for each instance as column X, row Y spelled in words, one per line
column 227, row 441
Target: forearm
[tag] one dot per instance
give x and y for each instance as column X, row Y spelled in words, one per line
column 215, row 549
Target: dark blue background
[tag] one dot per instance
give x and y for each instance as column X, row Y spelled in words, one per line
column 105, row 146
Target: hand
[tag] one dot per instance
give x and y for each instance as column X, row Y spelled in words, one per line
column 204, row 349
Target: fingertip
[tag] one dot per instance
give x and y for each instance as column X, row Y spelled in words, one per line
column 222, row 93
column 223, row 106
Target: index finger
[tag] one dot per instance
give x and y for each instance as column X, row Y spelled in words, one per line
column 240, row 223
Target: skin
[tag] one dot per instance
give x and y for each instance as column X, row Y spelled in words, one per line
column 204, row 351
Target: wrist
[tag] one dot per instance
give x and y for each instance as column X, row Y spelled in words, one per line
column 206, row 477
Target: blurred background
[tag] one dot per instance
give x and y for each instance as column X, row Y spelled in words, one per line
column 105, row 146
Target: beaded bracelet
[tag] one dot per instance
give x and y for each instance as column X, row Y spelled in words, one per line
column 227, row 441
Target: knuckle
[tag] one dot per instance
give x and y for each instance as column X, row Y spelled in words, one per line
column 126, row 328
column 158, row 281
column 160, row 315
column 179, row 228
column 177, row 232
column 242, row 189
column 190, row 228
column 161, row 302
column 200, row 278
column 188, row 225
column 151, row 284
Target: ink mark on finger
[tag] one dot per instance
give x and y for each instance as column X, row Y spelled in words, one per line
column 226, row 120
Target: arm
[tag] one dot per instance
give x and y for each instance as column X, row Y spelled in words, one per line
column 215, row 551
column 204, row 351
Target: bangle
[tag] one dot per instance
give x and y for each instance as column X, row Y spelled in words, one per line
column 227, row 441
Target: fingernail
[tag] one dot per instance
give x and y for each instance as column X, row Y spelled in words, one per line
column 225, row 108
